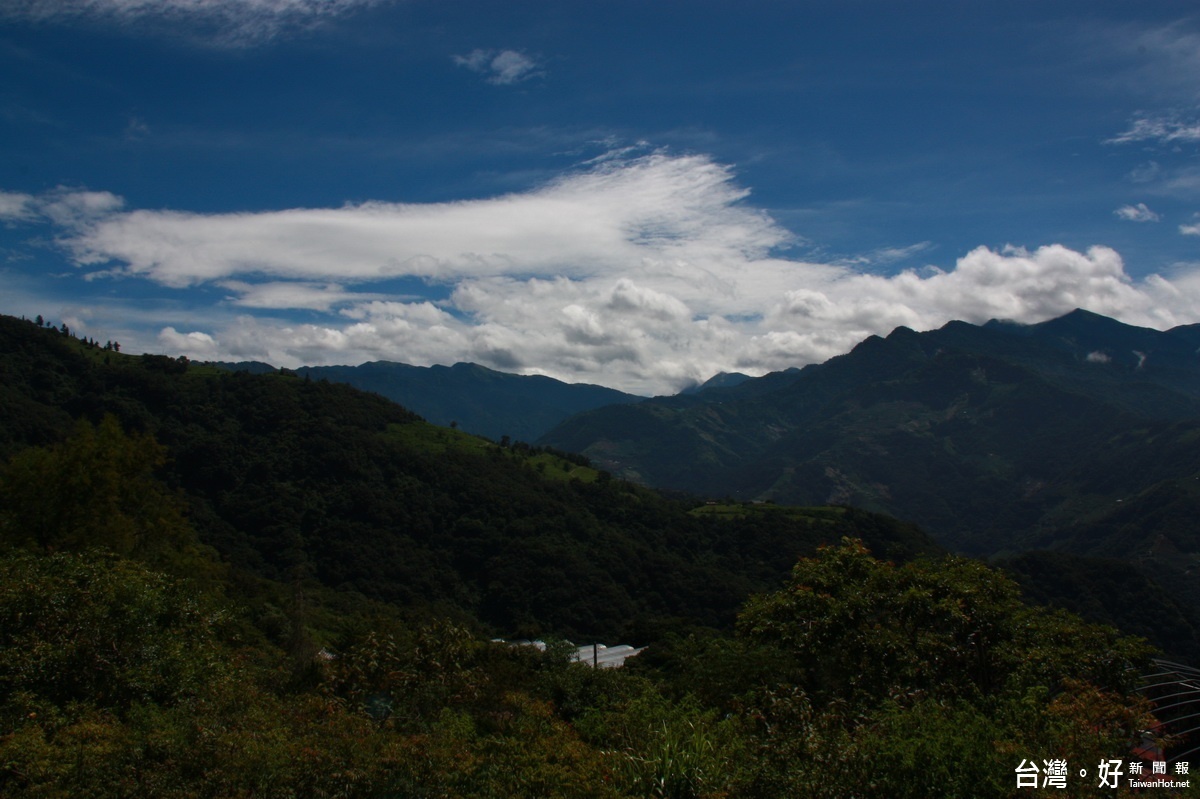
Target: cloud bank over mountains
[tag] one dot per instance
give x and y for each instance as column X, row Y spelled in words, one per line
column 645, row 273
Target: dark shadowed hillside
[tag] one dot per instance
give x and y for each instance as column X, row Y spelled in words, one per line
column 991, row 437
column 470, row 397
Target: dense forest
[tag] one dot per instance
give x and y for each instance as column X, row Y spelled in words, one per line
column 219, row 584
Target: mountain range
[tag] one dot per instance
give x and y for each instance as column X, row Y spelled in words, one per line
column 992, row 437
column 473, row 398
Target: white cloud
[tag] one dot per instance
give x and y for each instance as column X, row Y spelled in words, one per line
column 503, row 68
column 1136, row 213
column 1146, row 173
column 17, row 207
column 67, row 207
column 658, row 214
column 64, row 206
column 885, row 256
column 1165, row 129
column 642, row 273
column 1192, row 229
column 197, row 345
column 293, row 295
column 229, row 22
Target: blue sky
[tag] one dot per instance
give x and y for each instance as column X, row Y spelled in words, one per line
column 636, row 194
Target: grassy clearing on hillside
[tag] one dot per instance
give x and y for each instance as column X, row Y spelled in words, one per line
column 427, row 437
column 741, row 510
column 431, row 438
column 553, row 467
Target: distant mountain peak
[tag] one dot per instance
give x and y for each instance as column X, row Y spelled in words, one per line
column 476, row 398
column 719, row 380
column 1080, row 320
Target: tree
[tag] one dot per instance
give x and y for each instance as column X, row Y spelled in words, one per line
column 98, row 629
column 894, row 667
column 98, row 489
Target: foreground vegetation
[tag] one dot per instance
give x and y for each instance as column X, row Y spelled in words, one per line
column 130, row 668
column 857, row 678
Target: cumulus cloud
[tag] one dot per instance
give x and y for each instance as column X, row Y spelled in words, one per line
column 197, row 345
column 1136, row 213
column 644, row 273
column 232, row 22
column 503, row 67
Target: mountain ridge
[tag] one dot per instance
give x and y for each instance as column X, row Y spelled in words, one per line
column 1021, row 417
column 466, row 395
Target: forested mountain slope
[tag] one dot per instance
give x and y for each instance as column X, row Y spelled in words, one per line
column 994, row 438
column 471, row 397
column 298, row 479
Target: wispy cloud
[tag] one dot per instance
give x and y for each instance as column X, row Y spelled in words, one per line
column 1160, row 129
column 1145, row 173
column 1169, row 57
column 644, row 273
column 228, row 22
column 1192, row 229
column 17, row 207
column 288, row 295
column 1136, row 213
column 62, row 205
column 654, row 211
column 502, row 67
column 885, row 256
